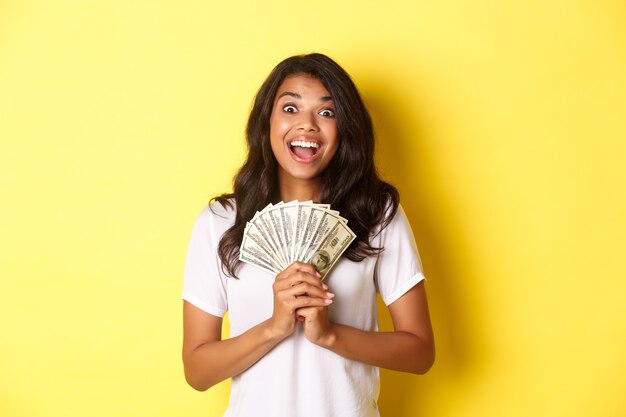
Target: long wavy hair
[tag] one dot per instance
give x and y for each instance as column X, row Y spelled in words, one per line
column 350, row 183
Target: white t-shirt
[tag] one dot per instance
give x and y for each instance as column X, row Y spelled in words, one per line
column 298, row 378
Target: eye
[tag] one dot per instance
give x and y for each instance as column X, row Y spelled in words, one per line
column 327, row 113
column 290, row 108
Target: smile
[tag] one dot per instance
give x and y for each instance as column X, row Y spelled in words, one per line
column 303, row 150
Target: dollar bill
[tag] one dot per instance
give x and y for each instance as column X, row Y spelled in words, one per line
column 264, row 222
column 331, row 248
column 315, row 219
column 327, row 221
column 278, row 231
column 283, row 233
column 255, row 241
column 288, row 213
column 252, row 260
column 304, row 211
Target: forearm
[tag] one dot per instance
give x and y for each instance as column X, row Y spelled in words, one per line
column 214, row 361
column 400, row 351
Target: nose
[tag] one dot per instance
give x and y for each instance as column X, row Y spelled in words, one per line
column 306, row 122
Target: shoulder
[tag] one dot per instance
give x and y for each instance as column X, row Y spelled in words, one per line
column 222, row 210
column 395, row 226
column 216, row 217
column 393, row 214
column 399, row 216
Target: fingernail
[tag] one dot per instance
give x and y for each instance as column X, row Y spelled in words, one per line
column 318, row 274
column 328, row 301
column 325, row 286
column 330, row 295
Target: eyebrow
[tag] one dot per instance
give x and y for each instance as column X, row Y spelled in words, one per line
column 299, row 97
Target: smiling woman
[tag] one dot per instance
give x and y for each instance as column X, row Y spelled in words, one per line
column 303, row 133
column 296, row 348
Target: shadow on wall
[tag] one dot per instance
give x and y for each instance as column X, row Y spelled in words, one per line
column 399, row 128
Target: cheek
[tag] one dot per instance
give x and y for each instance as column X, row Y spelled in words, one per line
column 276, row 145
column 275, row 134
column 333, row 134
column 278, row 126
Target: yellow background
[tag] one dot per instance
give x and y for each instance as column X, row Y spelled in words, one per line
column 502, row 124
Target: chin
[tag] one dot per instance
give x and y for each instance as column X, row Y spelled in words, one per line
column 304, row 176
column 299, row 174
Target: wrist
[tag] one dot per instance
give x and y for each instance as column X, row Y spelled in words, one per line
column 272, row 333
column 329, row 339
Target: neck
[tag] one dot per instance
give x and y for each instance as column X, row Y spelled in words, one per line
column 299, row 189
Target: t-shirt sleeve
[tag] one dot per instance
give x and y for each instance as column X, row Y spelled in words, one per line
column 398, row 268
column 204, row 284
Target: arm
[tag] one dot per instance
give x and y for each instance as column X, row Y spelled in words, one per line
column 209, row 360
column 409, row 348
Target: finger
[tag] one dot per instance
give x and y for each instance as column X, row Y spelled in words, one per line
column 297, row 278
column 297, row 267
column 285, row 298
column 305, row 301
column 306, row 289
column 308, row 312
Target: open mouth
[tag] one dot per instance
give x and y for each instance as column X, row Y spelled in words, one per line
column 304, row 149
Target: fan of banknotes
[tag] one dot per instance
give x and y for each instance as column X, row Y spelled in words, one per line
column 283, row 233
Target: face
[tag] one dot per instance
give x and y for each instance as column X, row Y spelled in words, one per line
column 320, row 261
column 303, row 128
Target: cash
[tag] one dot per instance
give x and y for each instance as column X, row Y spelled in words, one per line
column 304, row 231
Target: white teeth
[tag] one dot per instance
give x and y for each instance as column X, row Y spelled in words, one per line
column 304, row 144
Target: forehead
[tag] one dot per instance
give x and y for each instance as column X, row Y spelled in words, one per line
column 303, row 85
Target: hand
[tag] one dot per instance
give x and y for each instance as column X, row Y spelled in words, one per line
column 317, row 328
column 296, row 287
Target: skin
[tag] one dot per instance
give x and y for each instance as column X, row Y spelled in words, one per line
column 303, row 110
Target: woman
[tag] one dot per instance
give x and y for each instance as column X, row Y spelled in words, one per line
column 299, row 346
